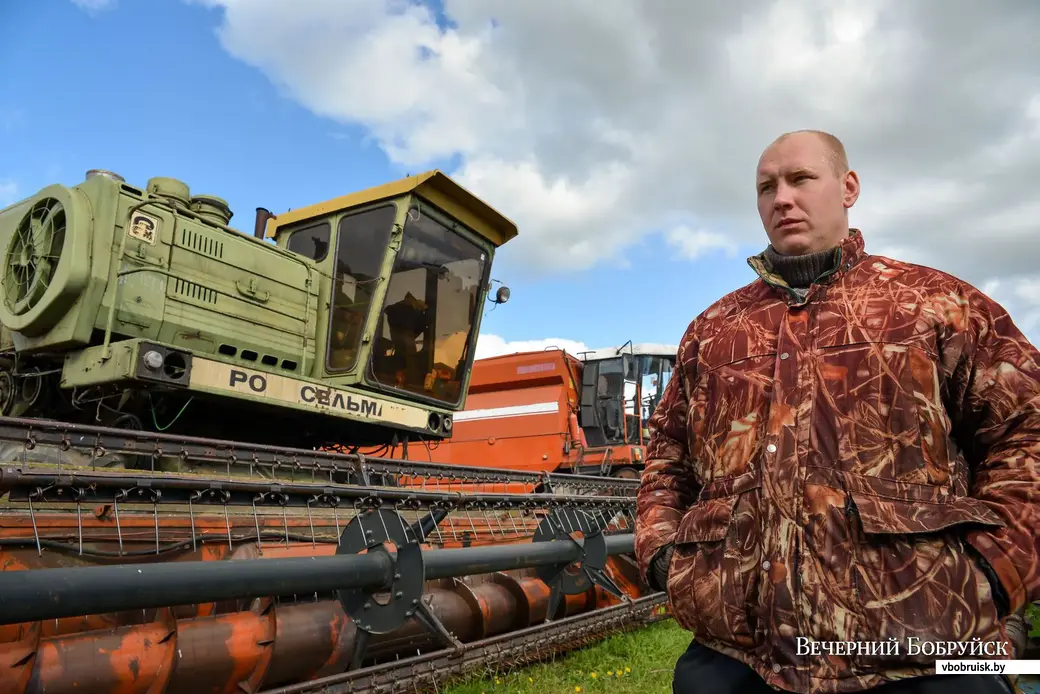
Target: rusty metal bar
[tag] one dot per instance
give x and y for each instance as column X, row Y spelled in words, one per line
column 29, row 596
column 96, row 487
column 97, row 442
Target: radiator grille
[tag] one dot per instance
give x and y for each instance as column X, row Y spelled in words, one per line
column 202, row 243
column 191, row 290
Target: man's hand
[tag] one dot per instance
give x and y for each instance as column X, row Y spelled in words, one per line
column 1000, row 598
column 659, row 567
column 993, row 377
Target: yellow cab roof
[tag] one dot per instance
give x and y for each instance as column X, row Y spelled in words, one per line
column 435, row 186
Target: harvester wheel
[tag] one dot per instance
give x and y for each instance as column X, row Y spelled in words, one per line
column 628, row 473
column 380, row 530
column 570, row 524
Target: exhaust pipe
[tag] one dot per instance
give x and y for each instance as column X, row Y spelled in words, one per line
column 262, row 215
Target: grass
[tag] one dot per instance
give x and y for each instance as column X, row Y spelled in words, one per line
column 639, row 662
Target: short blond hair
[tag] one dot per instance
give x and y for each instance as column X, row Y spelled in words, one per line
column 836, row 155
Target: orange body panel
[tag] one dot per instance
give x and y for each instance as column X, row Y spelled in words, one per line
column 521, row 414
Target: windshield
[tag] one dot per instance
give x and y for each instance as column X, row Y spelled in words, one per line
column 363, row 238
column 655, row 372
column 431, row 304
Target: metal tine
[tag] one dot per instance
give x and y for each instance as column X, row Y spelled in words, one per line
column 36, row 534
column 227, row 523
column 382, row 521
column 569, row 520
column 155, row 517
column 61, row 447
column 498, row 519
column 361, row 526
column 191, row 518
column 335, row 515
column 115, row 511
column 285, row 521
column 256, row 523
column 603, row 520
column 589, row 518
column 512, row 521
column 451, row 527
column 400, row 519
column 559, row 520
column 79, row 519
column 310, row 520
column 487, row 519
column 418, row 523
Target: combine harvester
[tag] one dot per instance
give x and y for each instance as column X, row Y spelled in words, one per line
column 549, row 411
column 171, row 516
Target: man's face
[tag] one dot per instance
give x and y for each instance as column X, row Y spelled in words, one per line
column 802, row 200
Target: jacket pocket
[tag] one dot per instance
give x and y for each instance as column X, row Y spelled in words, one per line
column 714, row 566
column 915, row 580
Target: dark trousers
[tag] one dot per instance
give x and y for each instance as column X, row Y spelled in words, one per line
column 701, row 670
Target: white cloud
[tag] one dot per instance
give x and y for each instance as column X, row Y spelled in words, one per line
column 595, row 123
column 1021, row 298
column 95, row 5
column 8, row 192
column 493, row 346
column 692, row 244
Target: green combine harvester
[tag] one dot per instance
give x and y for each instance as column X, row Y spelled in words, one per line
column 141, row 308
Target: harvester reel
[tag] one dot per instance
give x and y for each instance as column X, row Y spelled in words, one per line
column 566, row 524
column 46, row 262
column 371, row 531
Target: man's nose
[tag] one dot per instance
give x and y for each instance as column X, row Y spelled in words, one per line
column 784, row 196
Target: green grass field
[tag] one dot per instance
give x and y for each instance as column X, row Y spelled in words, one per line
column 639, row 662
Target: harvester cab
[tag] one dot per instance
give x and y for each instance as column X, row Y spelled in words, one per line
column 620, row 389
column 141, row 308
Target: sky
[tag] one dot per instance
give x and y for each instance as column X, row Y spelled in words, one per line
column 621, row 137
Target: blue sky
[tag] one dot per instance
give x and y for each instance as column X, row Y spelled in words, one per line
column 99, row 94
column 263, row 114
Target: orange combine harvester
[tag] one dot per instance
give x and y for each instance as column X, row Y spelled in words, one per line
column 550, row 411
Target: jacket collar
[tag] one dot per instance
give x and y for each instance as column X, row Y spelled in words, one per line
column 850, row 252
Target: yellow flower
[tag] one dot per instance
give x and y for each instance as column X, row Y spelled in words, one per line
column 577, row 689
column 628, row 669
column 592, row 675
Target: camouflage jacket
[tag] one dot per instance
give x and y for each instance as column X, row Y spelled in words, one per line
column 826, row 468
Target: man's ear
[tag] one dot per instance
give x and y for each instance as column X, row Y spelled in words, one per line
column 851, row 189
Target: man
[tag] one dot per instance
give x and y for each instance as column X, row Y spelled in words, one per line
column 848, row 451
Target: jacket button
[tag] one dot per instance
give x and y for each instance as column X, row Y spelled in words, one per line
column 771, row 448
column 776, row 668
column 785, row 355
column 765, row 565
